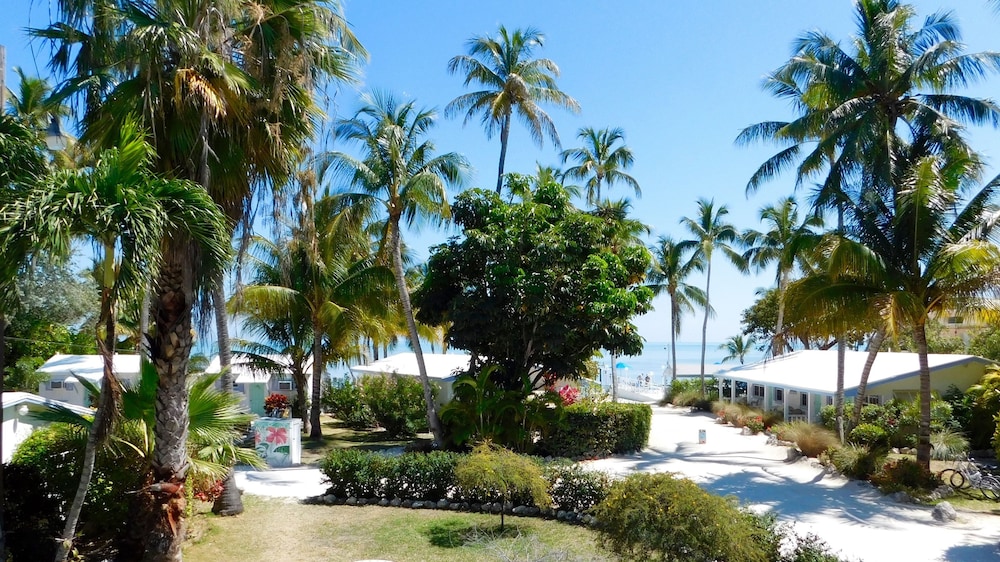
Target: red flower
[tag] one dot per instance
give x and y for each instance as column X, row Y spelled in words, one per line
column 277, row 435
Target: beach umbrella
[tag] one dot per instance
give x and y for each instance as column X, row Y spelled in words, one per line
column 621, row 365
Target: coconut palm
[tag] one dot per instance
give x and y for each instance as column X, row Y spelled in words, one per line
column 711, row 232
column 737, row 347
column 600, row 162
column 512, row 82
column 127, row 213
column 399, row 172
column 33, row 104
column 787, row 243
column 671, row 267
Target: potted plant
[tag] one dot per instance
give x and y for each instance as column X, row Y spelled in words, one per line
column 276, row 405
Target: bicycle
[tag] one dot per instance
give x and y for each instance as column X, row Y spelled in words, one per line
column 966, row 471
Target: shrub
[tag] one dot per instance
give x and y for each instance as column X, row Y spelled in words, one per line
column 569, row 394
column 32, row 512
column 501, row 475
column 905, row 474
column 596, row 430
column 772, row 418
column 754, row 423
column 396, row 403
column 342, row 399
column 355, row 473
column 869, row 435
column 426, row 476
column 856, row 461
column 662, row 517
column 947, row 445
column 275, row 402
column 574, row 489
column 811, row 439
column 686, row 398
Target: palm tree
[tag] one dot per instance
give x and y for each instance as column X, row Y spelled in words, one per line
column 33, row 104
column 599, row 161
column 128, row 213
column 399, row 172
column 668, row 274
column 711, row 232
column 787, row 243
column 511, row 81
column 737, row 347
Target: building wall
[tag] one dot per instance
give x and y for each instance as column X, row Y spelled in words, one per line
column 72, row 393
column 16, row 429
column 962, row 376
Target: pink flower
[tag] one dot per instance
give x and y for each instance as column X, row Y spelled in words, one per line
column 277, row 435
column 569, row 394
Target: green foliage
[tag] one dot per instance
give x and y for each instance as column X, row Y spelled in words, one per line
column 535, row 284
column 948, row 445
column 342, row 398
column 811, row 439
column 598, row 430
column 754, row 422
column 857, row 461
column 905, row 474
column 574, row 489
column 427, row 476
column 986, row 343
column 32, row 512
column 977, row 408
column 662, row 517
column 501, row 475
column 869, row 435
column 687, row 392
column 356, row 473
column 396, row 403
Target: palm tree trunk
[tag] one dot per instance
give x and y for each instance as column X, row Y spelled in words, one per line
column 924, row 434
column 142, row 348
column 504, row 135
column 230, row 501
column 301, row 387
column 778, row 341
column 673, row 340
column 838, row 398
column 614, row 380
column 3, row 489
column 404, row 297
column 873, row 346
column 316, row 429
column 170, row 349
column 704, row 324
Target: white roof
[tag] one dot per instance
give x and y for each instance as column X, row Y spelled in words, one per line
column 11, row 399
column 90, row 367
column 439, row 366
column 816, row 370
column 245, row 373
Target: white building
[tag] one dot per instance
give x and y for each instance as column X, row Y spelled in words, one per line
column 65, row 371
column 254, row 384
column 18, row 422
column 441, row 369
column 800, row 383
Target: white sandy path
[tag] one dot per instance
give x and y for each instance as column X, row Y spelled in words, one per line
column 851, row 517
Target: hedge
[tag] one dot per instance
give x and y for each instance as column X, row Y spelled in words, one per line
column 600, row 430
column 431, row 477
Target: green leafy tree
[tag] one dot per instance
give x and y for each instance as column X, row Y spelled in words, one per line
column 512, row 82
column 600, row 162
column 534, row 286
column 737, row 348
column 502, row 475
column 671, row 267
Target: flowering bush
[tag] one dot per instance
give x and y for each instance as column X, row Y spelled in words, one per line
column 275, row 401
column 208, row 491
column 569, row 394
column 754, row 423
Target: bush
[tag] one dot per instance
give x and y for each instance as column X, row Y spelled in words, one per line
column 947, row 445
column 32, row 513
column 856, row 461
column 396, row 403
column 575, row 489
column 662, row 517
column 754, row 422
column 501, row 475
column 597, row 430
column 355, row 473
column 275, row 402
column 811, row 439
column 426, row 476
column 686, row 398
column 905, row 474
column 869, row 435
column 731, row 413
column 343, row 400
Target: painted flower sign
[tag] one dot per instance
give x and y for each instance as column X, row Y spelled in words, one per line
column 273, row 440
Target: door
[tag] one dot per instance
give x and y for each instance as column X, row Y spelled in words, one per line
column 257, row 392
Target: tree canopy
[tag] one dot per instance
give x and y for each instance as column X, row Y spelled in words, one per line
column 534, row 286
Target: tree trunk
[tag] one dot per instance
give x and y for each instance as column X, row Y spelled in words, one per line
column 404, row 296
column 230, row 502
column 838, row 399
column 504, row 135
column 316, row 429
column 673, row 339
column 924, row 435
column 873, row 346
column 704, row 324
column 142, row 347
column 614, row 380
column 301, row 388
column 170, row 349
column 3, row 489
column 778, row 341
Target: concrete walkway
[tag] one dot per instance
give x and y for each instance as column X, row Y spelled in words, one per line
column 853, row 518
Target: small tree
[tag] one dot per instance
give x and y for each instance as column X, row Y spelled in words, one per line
column 502, row 475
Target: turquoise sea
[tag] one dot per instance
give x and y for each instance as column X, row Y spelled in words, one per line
column 655, row 360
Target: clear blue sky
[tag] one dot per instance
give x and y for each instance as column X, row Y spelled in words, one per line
column 682, row 79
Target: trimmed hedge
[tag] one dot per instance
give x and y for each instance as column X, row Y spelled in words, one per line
column 599, row 430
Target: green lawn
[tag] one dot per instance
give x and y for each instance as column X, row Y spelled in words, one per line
column 337, row 436
column 273, row 529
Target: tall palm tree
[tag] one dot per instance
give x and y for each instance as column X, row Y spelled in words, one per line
column 512, row 82
column 711, row 232
column 400, row 173
column 600, row 162
column 671, row 267
column 127, row 213
column 32, row 103
column 787, row 243
column 737, row 347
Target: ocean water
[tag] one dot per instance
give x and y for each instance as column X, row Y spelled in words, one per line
column 655, row 360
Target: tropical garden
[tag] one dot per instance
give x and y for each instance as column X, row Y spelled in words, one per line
column 205, row 189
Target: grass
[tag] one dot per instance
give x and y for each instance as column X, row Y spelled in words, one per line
column 338, row 436
column 274, row 529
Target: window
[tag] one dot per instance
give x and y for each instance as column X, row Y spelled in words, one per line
column 873, row 399
column 804, row 399
column 829, row 400
column 758, row 391
column 779, row 395
column 237, row 387
column 284, row 385
column 55, row 385
column 954, row 319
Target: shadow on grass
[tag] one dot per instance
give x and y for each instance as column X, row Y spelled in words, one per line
column 457, row 532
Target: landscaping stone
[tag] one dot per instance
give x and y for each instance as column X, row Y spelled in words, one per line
column 902, row 497
column 396, row 502
column 520, row 510
column 362, row 501
column 941, row 492
column 533, row 511
column 442, row 504
column 407, row 503
column 329, row 499
column 352, row 501
column 561, row 515
column 944, row 512
column 384, row 502
column 417, row 505
column 455, row 506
